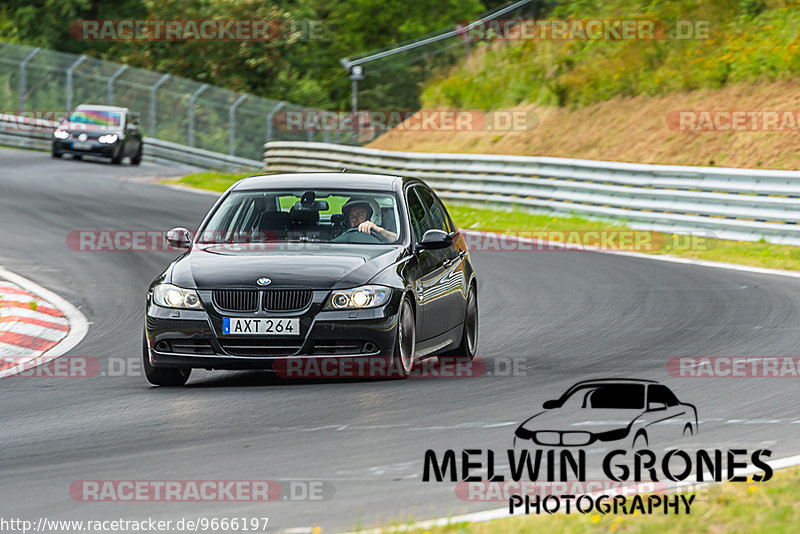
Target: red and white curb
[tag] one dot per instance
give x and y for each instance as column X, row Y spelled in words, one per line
column 36, row 325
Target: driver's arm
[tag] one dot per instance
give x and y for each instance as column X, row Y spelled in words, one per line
column 368, row 226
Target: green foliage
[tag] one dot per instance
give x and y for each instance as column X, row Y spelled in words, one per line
column 748, row 40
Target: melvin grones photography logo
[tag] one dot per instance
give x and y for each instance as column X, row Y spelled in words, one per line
column 630, row 427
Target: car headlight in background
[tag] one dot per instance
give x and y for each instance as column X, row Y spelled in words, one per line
column 170, row 296
column 358, row 298
column 61, row 134
column 108, row 139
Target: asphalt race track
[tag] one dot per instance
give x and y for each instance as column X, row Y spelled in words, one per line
column 569, row 315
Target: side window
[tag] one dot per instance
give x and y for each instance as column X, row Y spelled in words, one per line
column 662, row 394
column 435, row 209
column 416, row 210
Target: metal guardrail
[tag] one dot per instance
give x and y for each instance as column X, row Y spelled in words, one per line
column 37, row 134
column 739, row 204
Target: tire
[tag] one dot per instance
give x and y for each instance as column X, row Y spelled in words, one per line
column 77, row 156
column 468, row 345
column 56, row 154
column 405, row 341
column 116, row 159
column 137, row 159
column 162, row 376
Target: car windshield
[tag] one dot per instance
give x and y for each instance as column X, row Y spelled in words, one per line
column 96, row 117
column 610, row 396
column 329, row 216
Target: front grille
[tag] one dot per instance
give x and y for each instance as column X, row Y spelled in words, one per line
column 286, row 299
column 261, row 347
column 240, row 300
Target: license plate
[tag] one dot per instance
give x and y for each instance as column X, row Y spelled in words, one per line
column 289, row 326
column 82, row 146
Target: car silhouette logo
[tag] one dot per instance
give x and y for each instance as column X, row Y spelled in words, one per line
column 639, row 412
column 263, row 281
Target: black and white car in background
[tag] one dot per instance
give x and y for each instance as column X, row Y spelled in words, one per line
column 105, row 131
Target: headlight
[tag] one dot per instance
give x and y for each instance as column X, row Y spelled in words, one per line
column 170, row 296
column 61, row 134
column 358, row 298
column 108, row 139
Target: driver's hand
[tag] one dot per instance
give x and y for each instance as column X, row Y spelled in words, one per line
column 368, row 226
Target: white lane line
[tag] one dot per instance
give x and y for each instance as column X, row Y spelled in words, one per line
column 79, row 326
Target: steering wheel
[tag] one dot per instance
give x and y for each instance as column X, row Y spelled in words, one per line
column 373, row 234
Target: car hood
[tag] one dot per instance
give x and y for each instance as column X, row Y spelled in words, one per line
column 589, row 420
column 328, row 266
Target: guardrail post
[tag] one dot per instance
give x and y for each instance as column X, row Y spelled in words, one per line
column 270, row 116
column 153, row 90
column 111, row 80
column 70, row 70
column 232, row 122
column 22, row 81
column 192, row 100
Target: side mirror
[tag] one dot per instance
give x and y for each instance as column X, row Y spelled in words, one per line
column 549, row 405
column 61, row 118
column 656, row 406
column 435, row 239
column 131, row 127
column 179, row 238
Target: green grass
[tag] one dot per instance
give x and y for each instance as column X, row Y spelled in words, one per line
column 518, row 221
column 747, row 40
column 757, row 254
column 213, row 181
column 769, row 507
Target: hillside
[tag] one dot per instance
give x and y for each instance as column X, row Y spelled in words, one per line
column 610, row 98
column 635, row 129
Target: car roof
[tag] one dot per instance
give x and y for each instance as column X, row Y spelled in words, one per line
column 614, row 381
column 102, row 108
column 319, row 180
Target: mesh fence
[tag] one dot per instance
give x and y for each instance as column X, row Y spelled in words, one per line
column 170, row 107
column 393, row 77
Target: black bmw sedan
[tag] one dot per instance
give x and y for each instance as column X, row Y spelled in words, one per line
column 313, row 266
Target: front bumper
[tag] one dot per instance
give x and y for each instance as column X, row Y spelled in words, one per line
column 194, row 339
column 95, row 148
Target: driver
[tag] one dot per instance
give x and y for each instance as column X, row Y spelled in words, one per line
column 358, row 213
